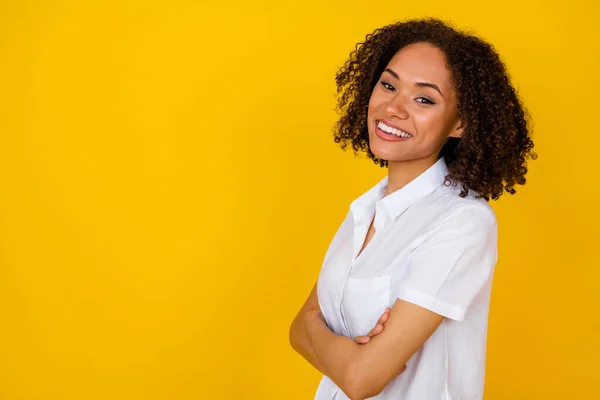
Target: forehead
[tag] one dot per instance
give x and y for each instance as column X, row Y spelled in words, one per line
column 422, row 62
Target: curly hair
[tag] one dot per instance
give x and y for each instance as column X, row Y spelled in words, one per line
column 491, row 156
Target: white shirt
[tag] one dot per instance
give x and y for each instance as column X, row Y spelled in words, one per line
column 432, row 248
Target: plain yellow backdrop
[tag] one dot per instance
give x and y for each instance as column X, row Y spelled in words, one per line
column 169, row 186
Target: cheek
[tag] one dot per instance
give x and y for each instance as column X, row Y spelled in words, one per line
column 431, row 124
column 371, row 113
column 375, row 100
column 372, row 106
column 427, row 118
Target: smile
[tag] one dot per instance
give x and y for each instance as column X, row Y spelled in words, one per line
column 389, row 133
column 393, row 131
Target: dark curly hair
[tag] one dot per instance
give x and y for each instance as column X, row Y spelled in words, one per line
column 491, row 155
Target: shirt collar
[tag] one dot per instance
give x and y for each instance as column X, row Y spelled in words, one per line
column 363, row 207
column 397, row 202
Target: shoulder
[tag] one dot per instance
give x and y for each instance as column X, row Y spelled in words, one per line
column 461, row 214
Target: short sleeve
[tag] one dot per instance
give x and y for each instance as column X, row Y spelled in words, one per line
column 453, row 263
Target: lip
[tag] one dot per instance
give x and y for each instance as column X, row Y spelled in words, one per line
column 389, row 137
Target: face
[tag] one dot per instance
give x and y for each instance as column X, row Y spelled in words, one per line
column 413, row 107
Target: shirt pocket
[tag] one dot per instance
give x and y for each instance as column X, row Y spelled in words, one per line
column 364, row 301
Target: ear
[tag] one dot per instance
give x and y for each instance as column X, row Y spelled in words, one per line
column 457, row 130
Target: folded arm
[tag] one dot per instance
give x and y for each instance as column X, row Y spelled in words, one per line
column 362, row 370
column 297, row 335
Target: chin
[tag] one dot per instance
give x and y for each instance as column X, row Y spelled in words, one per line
column 381, row 150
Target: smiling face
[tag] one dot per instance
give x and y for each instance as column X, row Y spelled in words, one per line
column 413, row 107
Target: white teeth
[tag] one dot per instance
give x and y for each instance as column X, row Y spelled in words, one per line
column 391, row 130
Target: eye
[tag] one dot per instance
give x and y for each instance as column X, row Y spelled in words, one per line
column 388, row 86
column 424, row 100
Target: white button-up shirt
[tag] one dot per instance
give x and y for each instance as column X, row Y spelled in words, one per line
column 432, row 248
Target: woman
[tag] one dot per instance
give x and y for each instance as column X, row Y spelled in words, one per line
column 401, row 304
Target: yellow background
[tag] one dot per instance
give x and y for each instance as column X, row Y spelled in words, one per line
column 169, row 186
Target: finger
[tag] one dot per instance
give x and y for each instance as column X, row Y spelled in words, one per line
column 362, row 339
column 375, row 331
column 384, row 316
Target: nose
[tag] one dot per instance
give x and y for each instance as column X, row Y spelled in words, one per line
column 396, row 106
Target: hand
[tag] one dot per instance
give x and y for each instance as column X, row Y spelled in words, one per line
column 376, row 330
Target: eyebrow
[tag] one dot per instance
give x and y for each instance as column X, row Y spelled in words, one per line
column 419, row 84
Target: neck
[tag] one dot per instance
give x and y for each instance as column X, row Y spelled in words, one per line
column 401, row 173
